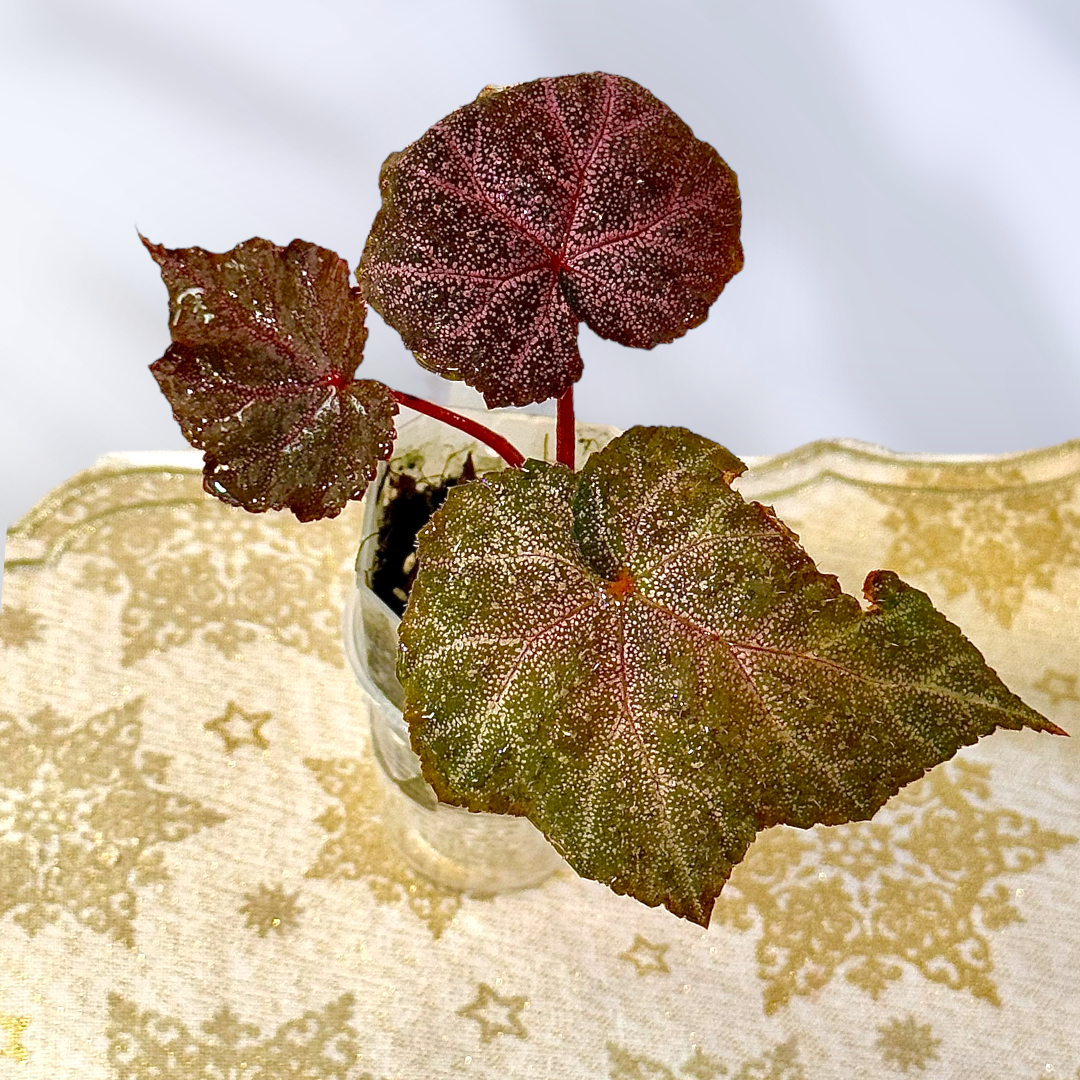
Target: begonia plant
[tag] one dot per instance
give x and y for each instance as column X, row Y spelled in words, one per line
column 644, row 664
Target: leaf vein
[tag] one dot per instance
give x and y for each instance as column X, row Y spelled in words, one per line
column 478, row 195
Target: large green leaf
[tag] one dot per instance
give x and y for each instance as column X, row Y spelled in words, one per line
column 652, row 669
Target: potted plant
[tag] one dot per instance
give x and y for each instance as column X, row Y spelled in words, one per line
column 479, row 853
column 620, row 649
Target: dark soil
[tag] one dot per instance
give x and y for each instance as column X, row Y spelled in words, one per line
column 412, row 502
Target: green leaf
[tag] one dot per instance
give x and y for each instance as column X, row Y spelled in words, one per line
column 652, row 669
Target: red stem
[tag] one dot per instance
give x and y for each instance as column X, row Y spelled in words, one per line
column 503, row 447
column 566, row 430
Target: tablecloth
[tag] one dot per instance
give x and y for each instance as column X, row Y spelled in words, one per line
column 196, row 882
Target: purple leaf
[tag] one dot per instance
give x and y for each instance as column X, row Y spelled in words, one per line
column 260, row 375
column 536, row 207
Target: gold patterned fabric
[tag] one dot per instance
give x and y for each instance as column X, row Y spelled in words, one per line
column 197, row 881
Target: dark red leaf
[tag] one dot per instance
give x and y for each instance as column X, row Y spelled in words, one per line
column 541, row 205
column 260, row 375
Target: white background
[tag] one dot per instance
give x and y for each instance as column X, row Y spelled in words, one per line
column 910, row 176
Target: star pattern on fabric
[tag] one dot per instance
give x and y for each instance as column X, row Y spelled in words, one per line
column 907, row 1044
column 982, row 528
column 860, row 857
column 12, row 1028
column 239, row 728
column 19, row 627
column 496, row 1014
column 269, row 908
column 647, row 958
column 82, row 815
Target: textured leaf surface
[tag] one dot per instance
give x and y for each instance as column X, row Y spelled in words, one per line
column 260, row 375
column 652, row 669
column 538, row 206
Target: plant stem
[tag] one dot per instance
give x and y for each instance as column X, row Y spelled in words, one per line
column 566, row 430
column 503, row 447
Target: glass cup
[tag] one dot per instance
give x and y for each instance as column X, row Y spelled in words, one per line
column 451, row 846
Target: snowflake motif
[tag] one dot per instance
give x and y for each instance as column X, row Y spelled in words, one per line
column 907, row 1044
column 700, row 1066
column 496, row 1014
column 271, row 908
column 81, row 816
column 919, row 886
column 1059, row 687
column 861, row 853
column 357, row 847
column 986, row 530
column 779, row 1063
column 195, row 569
column 320, row 1045
column 19, row 627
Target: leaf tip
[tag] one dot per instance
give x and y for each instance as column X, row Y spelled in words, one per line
column 157, row 251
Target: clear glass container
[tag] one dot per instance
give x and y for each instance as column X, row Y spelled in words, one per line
column 480, row 853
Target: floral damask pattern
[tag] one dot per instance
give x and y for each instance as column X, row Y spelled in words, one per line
column 983, row 528
column 19, row 627
column 321, row 1044
column 357, row 847
column 921, row 887
column 206, row 571
column 779, row 1063
column 82, row 816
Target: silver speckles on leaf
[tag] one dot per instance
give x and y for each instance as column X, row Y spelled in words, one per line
column 539, row 206
column 652, row 669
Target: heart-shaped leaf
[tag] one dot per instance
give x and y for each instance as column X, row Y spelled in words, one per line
column 260, row 375
column 540, row 205
column 652, row 669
